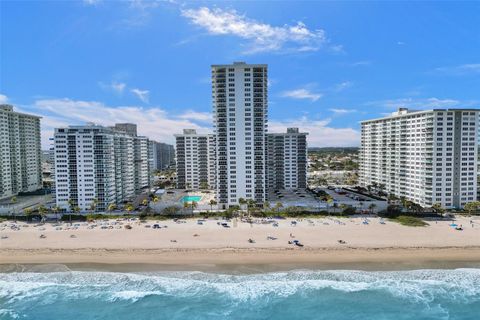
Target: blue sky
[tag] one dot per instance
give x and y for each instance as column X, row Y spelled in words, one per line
column 331, row 64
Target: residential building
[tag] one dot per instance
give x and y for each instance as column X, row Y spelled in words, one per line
column 239, row 93
column 98, row 165
column 142, row 168
column 428, row 157
column 162, row 155
column 20, row 153
column 287, row 160
column 142, row 165
column 128, row 128
column 195, row 160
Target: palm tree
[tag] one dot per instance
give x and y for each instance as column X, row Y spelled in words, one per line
column 437, row 207
column 145, row 202
column 278, row 206
column 186, row 205
column 93, row 205
column 194, row 205
column 71, row 204
column 242, row 202
column 129, row 207
column 28, row 213
column 55, row 210
column 372, row 207
column 266, row 206
column 212, row 203
column 13, row 200
column 42, row 211
column 250, row 205
column 111, row 207
column 472, row 206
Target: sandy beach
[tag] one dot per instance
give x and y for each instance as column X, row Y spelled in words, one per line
column 187, row 242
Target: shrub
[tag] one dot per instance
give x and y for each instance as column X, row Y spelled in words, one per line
column 349, row 211
column 410, row 221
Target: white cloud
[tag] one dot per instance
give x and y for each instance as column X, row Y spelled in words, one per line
column 319, row 133
column 401, row 43
column 339, row 111
column 91, row 2
column 117, row 87
column 463, row 69
column 154, row 122
column 361, row 63
column 302, row 94
column 197, row 116
column 261, row 37
column 141, row 94
column 412, row 103
column 3, row 98
column 344, row 85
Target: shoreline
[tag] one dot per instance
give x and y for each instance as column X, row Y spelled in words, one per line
column 243, row 260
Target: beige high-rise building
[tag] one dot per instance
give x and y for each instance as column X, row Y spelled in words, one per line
column 20, row 152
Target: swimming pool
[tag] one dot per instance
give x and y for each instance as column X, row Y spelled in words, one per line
column 191, row 199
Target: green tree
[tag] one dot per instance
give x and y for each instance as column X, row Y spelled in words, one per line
column 437, row 207
column 472, row 206
column 71, row 206
column 372, row 207
column 242, row 202
column 278, row 206
column 55, row 210
column 13, row 201
column 266, row 206
column 194, row 205
column 250, row 205
column 28, row 213
column 93, row 205
column 129, row 207
column 111, row 207
column 212, row 203
column 43, row 212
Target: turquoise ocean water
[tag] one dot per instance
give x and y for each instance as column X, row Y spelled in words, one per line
column 301, row 294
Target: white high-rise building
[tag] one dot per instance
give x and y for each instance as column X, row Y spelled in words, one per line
column 428, row 157
column 141, row 153
column 195, row 160
column 98, row 164
column 239, row 93
column 287, row 160
column 20, row 154
column 142, row 164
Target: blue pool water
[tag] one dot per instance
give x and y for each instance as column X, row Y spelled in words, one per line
column 419, row 294
column 191, row 198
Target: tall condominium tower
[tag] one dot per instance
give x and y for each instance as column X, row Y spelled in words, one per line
column 95, row 164
column 195, row 160
column 162, row 155
column 20, row 154
column 128, row 128
column 287, row 160
column 427, row 157
column 239, row 93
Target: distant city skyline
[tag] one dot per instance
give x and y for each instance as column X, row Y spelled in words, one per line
column 331, row 64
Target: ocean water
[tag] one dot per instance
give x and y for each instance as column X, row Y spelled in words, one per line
column 300, row 294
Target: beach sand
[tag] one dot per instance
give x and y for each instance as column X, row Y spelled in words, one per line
column 210, row 245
